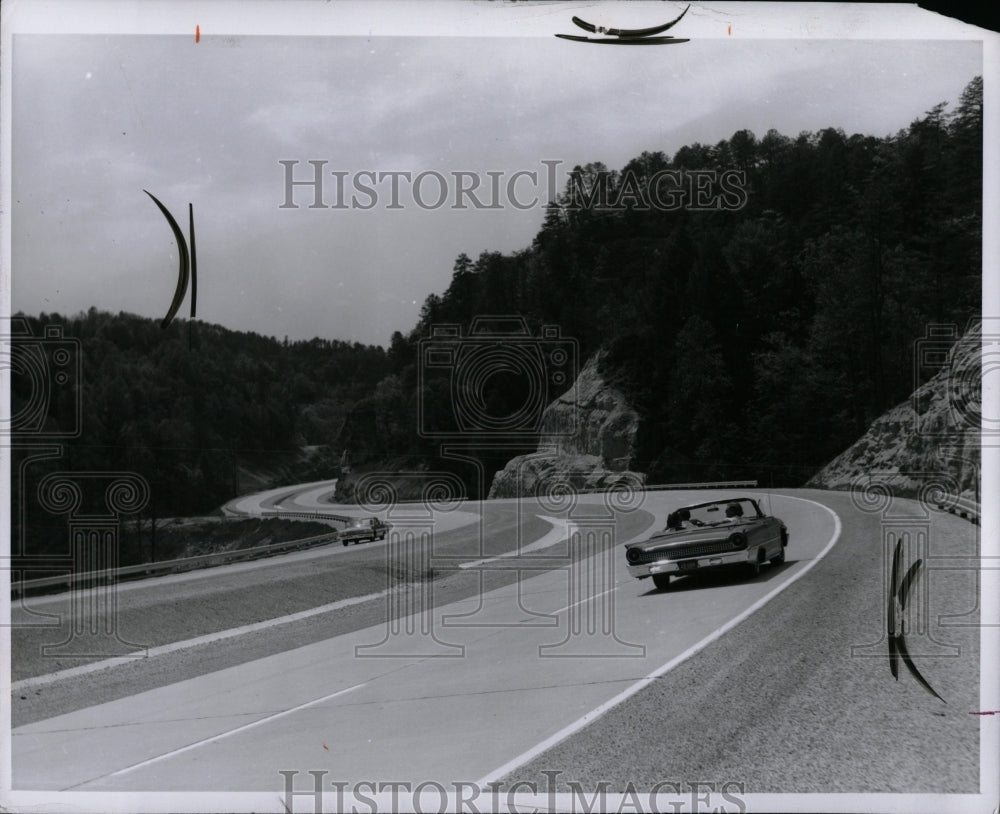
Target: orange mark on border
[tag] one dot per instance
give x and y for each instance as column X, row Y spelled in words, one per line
column 197, row 33
column 326, row 747
column 729, row 29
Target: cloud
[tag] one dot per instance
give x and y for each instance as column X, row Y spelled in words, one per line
column 209, row 124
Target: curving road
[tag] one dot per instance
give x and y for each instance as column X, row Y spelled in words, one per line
column 318, row 497
column 523, row 655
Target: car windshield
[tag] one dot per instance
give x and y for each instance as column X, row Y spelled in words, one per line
column 712, row 514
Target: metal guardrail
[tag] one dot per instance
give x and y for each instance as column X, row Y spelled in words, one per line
column 960, row 506
column 231, row 514
column 662, row 487
column 279, row 513
column 179, row 565
column 963, row 507
column 149, row 569
column 722, row 484
column 652, row 487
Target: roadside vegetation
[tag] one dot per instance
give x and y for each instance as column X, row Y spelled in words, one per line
column 756, row 342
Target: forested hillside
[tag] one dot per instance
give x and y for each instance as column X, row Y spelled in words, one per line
column 195, row 410
column 755, row 342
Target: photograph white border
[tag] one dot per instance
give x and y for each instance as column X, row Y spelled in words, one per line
column 503, row 19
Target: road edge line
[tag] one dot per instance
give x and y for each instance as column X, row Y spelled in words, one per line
column 209, row 638
column 185, row 644
column 229, row 732
column 642, row 683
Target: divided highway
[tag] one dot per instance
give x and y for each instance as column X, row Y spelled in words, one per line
column 489, row 667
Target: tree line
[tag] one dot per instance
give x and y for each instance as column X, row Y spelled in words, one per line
column 756, row 341
column 194, row 410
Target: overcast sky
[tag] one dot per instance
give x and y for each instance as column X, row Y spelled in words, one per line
column 98, row 118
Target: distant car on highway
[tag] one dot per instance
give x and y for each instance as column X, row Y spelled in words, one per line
column 718, row 534
column 364, row 529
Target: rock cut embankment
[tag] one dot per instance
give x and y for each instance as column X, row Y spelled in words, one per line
column 934, row 437
column 587, row 441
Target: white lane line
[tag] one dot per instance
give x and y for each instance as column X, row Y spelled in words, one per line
column 243, row 728
column 210, row 638
column 114, row 661
column 560, row 530
column 83, row 669
column 642, row 683
column 585, row 599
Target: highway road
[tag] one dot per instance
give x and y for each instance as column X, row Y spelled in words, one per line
column 498, row 667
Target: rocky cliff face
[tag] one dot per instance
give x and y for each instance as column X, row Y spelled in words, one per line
column 592, row 418
column 933, row 437
column 588, row 441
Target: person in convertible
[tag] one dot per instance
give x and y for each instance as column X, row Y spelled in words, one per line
column 679, row 520
column 734, row 511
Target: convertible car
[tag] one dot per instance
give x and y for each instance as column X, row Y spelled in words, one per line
column 717, row 534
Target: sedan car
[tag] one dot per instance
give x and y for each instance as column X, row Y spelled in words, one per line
column 717, row 534
column 362, row 529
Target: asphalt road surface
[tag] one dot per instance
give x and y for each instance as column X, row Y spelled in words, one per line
column 470, row 664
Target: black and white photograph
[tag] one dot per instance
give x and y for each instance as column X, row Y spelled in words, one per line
column 498, row 407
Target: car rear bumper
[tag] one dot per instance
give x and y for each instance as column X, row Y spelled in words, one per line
column 692, row 564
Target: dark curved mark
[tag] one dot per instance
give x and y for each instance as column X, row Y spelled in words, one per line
column 907, row 583
column 891, row 615
column 900, row 592
column 625, row 40
column 894, row 657
column 897, row 557
column 182, row 275
column 194, row 261
column 628, row 33
column 913, row 669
